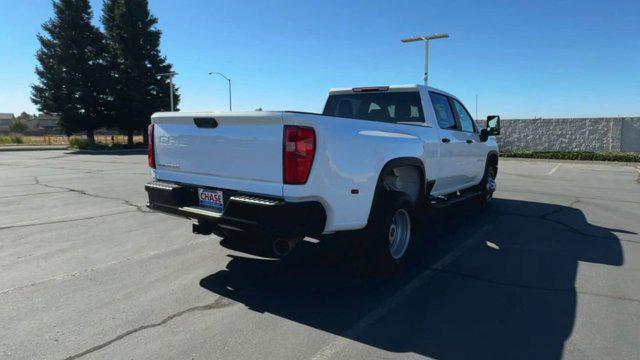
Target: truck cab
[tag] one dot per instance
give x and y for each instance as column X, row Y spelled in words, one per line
column 460, row 153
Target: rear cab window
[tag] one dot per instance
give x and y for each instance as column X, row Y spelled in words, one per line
column 390, row 107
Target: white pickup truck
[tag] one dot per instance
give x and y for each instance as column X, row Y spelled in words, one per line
column 374, row 156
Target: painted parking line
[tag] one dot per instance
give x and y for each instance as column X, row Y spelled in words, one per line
column 554, row 169
column 379, row 312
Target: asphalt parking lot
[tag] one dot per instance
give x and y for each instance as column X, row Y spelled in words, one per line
column 551, row 269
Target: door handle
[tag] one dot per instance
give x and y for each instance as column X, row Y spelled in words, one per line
column 446, row 140
column 469, row 141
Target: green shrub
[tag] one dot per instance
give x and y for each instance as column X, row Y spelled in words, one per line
column 81, row 143
column 578, row 155
column 78, row 143
column 14, row 139
column 18, row 126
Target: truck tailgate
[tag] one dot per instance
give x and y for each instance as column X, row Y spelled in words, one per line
column 239, row 151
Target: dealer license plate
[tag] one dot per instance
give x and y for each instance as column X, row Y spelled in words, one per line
column 211, row 199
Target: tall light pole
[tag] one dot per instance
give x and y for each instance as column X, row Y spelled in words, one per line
column 229, row 81
column 170, row 75
column 426, row 49
column 476, row 106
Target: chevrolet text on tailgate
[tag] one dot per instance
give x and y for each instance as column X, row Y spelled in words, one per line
column 367, row 163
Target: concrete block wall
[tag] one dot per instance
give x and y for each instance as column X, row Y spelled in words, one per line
column 569, row 134
column 630, row 137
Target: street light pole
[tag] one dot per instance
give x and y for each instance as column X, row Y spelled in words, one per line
column 228, row 80
column 476, row 106
column 426, row 49
column 426, row 62
column 171, row 91
column 170, row 75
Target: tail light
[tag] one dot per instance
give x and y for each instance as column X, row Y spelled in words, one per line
column 299, row 150
column 150, row 150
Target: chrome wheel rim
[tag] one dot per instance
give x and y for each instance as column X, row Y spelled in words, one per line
column 399, row 234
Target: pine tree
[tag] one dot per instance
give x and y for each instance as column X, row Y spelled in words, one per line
column 73, row 81
column 135, row 62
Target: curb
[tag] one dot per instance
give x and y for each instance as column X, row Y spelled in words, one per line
column 32, row 148
column 107, row 152
column 567, row 161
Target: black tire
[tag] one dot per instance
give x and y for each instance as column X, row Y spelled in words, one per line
column 488, row 185
column 389, row 235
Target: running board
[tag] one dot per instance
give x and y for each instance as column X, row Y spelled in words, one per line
column 444, row 201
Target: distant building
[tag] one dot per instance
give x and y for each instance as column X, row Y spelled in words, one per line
column 6, row 119
column 32, row 123
column 47, row 122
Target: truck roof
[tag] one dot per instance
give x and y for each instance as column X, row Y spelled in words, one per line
column 392, row 88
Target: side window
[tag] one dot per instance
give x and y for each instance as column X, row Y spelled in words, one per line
column 443, row 111
column 466, row 122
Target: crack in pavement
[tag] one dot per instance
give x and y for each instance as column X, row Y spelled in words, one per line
column 75, row 160
column 13, row 165
column 503, row 190
column 54, row 157
column 27, row 224
column 140, row 208
column 532, row 287
column 262, row 279
column 568, row 227
column 13, row 185
column 82, row 171
column 559, row 209
column 102, row 266
column 218, row 303
column 614, row 237
column 31, row 194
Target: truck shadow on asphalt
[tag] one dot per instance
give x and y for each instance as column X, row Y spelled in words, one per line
column 510, row 294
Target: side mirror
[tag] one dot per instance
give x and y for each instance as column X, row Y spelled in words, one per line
column 492, row 128
column 493, row 124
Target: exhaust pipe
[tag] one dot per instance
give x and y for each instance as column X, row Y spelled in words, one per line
column 282, row 247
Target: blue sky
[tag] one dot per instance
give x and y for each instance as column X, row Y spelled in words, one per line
column 522, row 58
